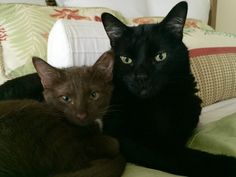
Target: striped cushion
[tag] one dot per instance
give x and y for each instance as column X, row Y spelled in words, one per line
column 215, row 73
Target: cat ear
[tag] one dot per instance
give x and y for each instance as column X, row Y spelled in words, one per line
column 113, row 27
column 175, row 20
column 104, row 65
column 47, row 73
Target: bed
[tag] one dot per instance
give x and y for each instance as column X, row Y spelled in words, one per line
column 212, row 58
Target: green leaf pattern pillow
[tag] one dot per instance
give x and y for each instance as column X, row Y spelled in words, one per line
column 24, row 30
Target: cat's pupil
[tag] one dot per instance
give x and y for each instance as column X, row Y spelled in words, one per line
column 66, row 98
column 161, row 56
column 126, row 60
column 94, row 95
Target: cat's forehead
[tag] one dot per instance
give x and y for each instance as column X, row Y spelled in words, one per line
column 142, row 37
column 145, row 29
column 79, row 72
column 84, row 75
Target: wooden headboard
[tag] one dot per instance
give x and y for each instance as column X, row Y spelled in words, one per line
column 212, row 15
column 51, row 2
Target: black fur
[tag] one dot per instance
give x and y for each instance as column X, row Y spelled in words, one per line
column 154, row 107
column 24, row 87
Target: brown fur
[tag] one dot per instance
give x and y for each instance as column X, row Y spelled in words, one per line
column 78, row 84
column 37, row 140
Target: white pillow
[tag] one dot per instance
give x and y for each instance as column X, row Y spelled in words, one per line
column 129, row 8
column 40, row 2
column 76, row 43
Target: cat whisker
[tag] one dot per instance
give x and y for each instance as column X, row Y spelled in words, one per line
column 112, row 111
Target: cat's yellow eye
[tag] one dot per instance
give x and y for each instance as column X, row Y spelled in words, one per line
column 161, row 56
column 94, row 95
column 126, row 60
column 66, row 99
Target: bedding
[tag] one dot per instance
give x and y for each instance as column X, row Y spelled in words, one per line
column 19, row 42
column 217, row 111
column 24, row 33
column 215, row 72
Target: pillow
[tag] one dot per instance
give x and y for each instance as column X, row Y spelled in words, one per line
column 130, row 8
column 189, row 24
column 77, row 43
column 40, row 2
column 213, row 63
column 204, row 38
column 215, row 72
column 24, row 32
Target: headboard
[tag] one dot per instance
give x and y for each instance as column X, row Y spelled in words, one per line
column 212, row 15
column 51, row 2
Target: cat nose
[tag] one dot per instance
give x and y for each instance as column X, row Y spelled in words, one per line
column 141, row 76
column 82, row 115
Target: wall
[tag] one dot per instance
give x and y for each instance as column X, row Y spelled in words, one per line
column 226, row 16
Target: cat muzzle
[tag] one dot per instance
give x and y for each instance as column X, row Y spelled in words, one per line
column 82, row 115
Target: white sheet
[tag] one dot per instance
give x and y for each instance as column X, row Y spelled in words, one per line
column 217, row 111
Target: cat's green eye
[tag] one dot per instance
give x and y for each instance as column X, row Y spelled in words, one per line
column 161, row 56
column 94, row 95
column 66, row 99
column 126, row 60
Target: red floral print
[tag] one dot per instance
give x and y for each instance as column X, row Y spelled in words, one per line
column 3, row 35
column 69, row 14
column 45, row 35
column 97, row 18
column 191, row 23
column 143, row 21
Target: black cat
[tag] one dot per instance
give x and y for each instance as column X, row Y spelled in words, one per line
column 154, row 107
column 24, row 87
column 155, row 98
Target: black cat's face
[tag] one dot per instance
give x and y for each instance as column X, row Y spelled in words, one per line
column 82, row 94
column 147, row 57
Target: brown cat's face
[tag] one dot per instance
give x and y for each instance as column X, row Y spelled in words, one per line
column 81, row 93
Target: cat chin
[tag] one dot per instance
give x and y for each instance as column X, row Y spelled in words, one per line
column 143, row 94
column 78, row 122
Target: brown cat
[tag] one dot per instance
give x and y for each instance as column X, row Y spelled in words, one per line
column 83, row 93
column 36, row 140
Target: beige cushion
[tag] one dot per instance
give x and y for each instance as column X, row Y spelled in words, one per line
column 215, row 73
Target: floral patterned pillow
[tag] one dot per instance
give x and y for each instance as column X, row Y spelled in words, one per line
column 24, row 33
column 190, row 23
